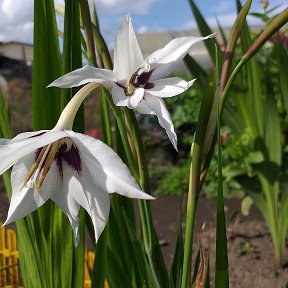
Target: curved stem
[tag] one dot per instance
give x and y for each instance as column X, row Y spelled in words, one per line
column 67, row 116
column 229, row 84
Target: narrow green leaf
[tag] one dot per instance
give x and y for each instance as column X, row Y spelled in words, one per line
column 176, row 267
column 117, row 277
column 272, row 127
column 221, row 266
column 231, row 117
column 283, row 219
column 221, row 262
column 88, row 28
column 72, row 56
column 147, row 273
column 100, row 262
column 197, row 71
column 254, row 110
column 5, row 124
column 119, row 239
column 46, row 66
column 223, row 35
column 205, row 30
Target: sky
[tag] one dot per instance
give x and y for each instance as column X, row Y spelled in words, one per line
column 16, row 16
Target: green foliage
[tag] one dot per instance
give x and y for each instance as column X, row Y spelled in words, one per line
column 175, row 181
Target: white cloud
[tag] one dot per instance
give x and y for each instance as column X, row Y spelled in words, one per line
column 223, row 6
column 17, row 10
column 142, row 29
column 16, row 17
column 225, row 20
column 120, row 6
column 16, row 20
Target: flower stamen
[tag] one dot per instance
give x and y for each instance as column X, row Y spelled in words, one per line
column 41, row 166
column 48, row 163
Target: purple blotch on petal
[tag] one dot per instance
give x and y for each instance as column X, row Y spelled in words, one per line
column 149, row 85
column 71, row 157
column 143, row 78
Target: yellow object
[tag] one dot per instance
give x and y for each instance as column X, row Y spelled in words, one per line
column 89, row 264
column 9, row 257
column 9, row 271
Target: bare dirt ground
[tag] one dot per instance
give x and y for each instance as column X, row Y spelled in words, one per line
column 250, row 249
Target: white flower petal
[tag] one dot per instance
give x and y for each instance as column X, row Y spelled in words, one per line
column 25, row 201
column 13, row 150
column 63, row 197
column 136, row 97
column 163, row 60
column 81, row 190
column 156, row 106
column 106, row 168
column 25, row 135
column 127, row 54
column 96, row 203
column 119, row 97
column 169, row 87
column 86, row 75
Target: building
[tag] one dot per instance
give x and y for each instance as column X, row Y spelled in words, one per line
column 16, row 60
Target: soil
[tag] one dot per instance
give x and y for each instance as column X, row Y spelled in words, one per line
column 250, row 249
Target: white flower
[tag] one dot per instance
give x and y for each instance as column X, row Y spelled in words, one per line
column 136, row 82
column 70, row 168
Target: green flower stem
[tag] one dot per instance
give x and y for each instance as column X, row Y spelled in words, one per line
column 230, row 83
column 234, row 35
column 145, row 212
column 193, row 195
column 280, row 20
column 102, row 49
column 122, row 130
column 194, row 178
